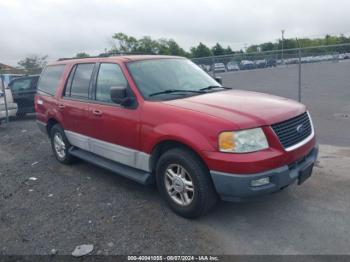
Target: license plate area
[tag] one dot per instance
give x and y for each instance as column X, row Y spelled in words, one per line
column 305, row 173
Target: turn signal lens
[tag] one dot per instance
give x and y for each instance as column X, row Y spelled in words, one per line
column 226, row 142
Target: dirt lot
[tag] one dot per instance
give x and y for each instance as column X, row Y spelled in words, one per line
column 82, row 204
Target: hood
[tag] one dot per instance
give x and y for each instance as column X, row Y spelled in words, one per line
column 244, row 108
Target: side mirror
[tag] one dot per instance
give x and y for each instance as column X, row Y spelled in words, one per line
column 119, row 95
column 218, row 79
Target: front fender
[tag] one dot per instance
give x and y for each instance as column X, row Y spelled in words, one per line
column 176, row 132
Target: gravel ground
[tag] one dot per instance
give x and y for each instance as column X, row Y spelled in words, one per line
column 82, row 204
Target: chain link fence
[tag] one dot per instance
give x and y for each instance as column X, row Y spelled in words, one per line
column 319, row 77
column 289, row 63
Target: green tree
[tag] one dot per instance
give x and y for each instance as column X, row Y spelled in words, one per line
column 82, row 55
column 269, row 46
column 218, row 49
column 33, row 62
column 146, row 45
column 125, row 43
column 228, row 51
column 175, row 49
column 252, row 49
column 200, row 51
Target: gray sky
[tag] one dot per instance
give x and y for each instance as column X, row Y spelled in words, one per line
column 61, row 28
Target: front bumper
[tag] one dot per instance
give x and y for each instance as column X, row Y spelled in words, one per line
column 235, row 187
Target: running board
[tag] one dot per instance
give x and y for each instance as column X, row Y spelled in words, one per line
column 136, row 175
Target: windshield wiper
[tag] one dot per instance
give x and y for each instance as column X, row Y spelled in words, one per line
column 214, row 87
column 169, row 91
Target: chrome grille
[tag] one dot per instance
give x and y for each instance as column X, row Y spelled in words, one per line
column 294, row 130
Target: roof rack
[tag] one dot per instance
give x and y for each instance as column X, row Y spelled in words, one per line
column 108, row 54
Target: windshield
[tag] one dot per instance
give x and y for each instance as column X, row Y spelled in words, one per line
column 158, row 75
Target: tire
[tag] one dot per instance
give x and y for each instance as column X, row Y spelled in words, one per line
column 20, row 115
column 62, row 153
column 201, row 198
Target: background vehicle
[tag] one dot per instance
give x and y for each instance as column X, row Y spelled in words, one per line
column 205, row 67
column 9, row 77
column 232, row 66
column 23, row 92
column 246, row 65
column 271, row 62
column 260, row 63
column 11, row 106
column 218, row 67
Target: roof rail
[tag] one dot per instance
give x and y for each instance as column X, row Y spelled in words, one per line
column 108, row 54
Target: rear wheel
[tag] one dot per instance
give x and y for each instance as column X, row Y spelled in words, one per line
column 60, row 145
column 20, row 115
column 185, row 184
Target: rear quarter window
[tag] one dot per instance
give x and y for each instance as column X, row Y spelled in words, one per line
column 50, row 79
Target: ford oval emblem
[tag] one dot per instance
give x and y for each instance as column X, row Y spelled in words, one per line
column 300, row 128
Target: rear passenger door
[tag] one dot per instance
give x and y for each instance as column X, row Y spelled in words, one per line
column 74, row 105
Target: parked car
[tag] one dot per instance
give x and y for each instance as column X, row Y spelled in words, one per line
column 205, row 67
column 11, row 106
column 291, row 61
column 218, row 67
column 9, row 77
column 159, row 119
column 232, row 66
column 23, row 92
column 271, row 62
column 246, row 65
column 260, row 63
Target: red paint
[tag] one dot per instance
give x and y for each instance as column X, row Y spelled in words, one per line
column 195, row 121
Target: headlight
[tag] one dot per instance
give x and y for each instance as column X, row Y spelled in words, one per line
column 244, row 141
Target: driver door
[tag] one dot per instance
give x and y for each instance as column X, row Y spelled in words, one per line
column 115, row 129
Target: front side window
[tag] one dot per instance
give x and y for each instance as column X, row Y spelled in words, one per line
column 109, row 75
column 21, row 85
column 159, row 75
column 81, row 81
column 50, row 79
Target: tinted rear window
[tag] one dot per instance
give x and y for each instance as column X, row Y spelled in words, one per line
column 50, row 78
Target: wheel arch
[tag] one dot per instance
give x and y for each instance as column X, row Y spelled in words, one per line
column 165, row 145
column 50, row 123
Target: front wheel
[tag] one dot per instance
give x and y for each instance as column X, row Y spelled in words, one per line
column 185, row 183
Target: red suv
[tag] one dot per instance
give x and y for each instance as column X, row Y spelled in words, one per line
column 163, row 120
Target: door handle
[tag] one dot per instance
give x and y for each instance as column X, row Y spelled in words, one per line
column 96, row 112
column 61, row 106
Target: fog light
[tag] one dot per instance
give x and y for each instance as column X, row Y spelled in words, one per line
column 260, row 182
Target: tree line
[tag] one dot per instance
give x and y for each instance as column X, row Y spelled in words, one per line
column 125, row 44
column 291, row 43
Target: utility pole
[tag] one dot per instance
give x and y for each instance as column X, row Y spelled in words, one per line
column 282, row 58
column 4, row 91
column 299, row 73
